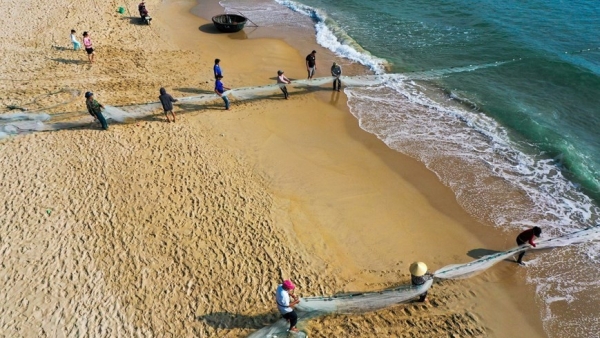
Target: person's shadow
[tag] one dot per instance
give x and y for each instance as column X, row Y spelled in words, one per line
column 335, row 97
column 193, row 90
column 134, row 20
column 478, row 253
column 226, row 320
column 69, row 61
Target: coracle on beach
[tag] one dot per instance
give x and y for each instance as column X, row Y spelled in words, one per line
column 229, row 23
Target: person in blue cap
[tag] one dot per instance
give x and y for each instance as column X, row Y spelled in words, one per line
column 95, row 109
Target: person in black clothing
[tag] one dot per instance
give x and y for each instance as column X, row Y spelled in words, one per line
column 167, row 103
column 418, row 276
column 527, row 236
column 336, row 72
column 311, row 64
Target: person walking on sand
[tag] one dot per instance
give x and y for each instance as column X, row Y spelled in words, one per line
column 527, row 236
column 95, row 109
column 89, row 48
column 418, row 276
column 336, row 72
column 76, row 44
column 220, row 89
column 311, row 64
column 167, row 103
column 286, row 301
column 282, row 81
column 217, row 68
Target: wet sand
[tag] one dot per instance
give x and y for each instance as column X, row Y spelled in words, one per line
column 161, row 229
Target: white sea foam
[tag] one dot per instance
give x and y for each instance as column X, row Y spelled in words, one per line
column 495, row 180
column 331, row 36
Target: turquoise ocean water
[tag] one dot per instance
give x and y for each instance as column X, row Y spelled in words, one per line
column 518, row 143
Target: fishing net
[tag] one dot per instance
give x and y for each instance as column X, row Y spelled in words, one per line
column 459, row 271
column 18, row 123
column 311, row 307
column 362, row 302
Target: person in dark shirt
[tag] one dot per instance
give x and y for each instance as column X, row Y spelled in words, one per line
column 167, row 103
column 527, row 236
column 220, row 89
column 217, row 68
column 95, row 109
column 311, row 64
column 418, row 276
column 336, row 72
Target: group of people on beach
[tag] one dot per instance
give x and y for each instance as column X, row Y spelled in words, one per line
column 95, row 109
column 419, row 275
column 311, row 67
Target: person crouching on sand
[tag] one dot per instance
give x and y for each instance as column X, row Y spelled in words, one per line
column 418, row 276
column 167, row 103
column 527, row 236
column 95, row 109
column 220, row 89
column 282, row 81
column 285, row 305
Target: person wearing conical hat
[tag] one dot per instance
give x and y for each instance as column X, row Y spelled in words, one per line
column 418, row 276
column 286, row 301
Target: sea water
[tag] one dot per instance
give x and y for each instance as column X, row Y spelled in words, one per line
column 518, row 143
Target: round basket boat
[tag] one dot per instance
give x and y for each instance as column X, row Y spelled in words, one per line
column 229, row 23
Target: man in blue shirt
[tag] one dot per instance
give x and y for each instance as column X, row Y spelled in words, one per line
column 217, row 68
column 220, row 89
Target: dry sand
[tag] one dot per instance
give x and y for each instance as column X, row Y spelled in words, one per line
column 157, row 229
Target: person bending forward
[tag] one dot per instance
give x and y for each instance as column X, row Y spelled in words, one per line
column 285, row 304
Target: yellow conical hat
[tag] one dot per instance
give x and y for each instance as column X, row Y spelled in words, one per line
column 418, row 269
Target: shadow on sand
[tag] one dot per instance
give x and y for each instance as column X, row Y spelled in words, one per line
column 226, row 320
column 70, row 61
column 134, row 20
column 478, row 253
column 193, row 90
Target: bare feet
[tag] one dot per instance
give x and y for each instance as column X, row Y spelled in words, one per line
column 294, row 330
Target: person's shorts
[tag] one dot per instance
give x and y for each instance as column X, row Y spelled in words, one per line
column 311, row 71
column 76, row 45
column 89, row 50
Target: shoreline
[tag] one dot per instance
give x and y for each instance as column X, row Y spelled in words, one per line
column 484, row 234
column 299, row 175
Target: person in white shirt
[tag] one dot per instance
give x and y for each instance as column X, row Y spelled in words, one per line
column 284, row 303
column 282, row 81
column 76, row 44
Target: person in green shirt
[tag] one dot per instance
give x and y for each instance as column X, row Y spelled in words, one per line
column 95, row 109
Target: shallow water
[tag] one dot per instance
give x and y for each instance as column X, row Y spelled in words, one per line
column 517, row 143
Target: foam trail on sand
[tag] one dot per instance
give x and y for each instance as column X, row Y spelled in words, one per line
column 459, row 271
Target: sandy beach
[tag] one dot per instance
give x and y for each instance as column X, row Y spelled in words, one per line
column 180, row 229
